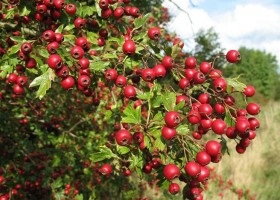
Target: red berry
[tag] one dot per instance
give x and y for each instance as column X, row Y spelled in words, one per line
column 205, row 67
column 174, row 188
column 233, row 56
column 129, row 47
column 105, row 169
column 249, row 91
column 219, row 126
column 253, row 108
column 213, row 148
column 167, row 62
column 70, row 9
column 172, row 119
column 123, row 137
column 203, row 158
column 190, row 62
column 154, row 33
column 55, row 61
column 171, row 171
column 67, row 83
column 168, row 133
column 220, row 85
column 192, row 169
column 129, row 92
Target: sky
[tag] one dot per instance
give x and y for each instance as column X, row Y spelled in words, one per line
column 250, row 23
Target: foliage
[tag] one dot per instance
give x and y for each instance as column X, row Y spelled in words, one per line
column 94, row 96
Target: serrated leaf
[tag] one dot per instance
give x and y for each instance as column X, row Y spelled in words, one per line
column 6, row 69
column 60, row 29
column 180, row 106
column 175, row 50
column 69, row 38
column 143, row 95
column 238, row 86
column 57, row 183
column 92, row 37
column 104, row 153
column 17, row 38
column 44, row 83
column 69, row 27
column 110, row 55
column 140, row 21
column 228, row 119
column 14, row 49
column 122, row 149
column 98, row 9
column 99, row 65
column 158, row 117
column 147, row 142
column 24, row 11
column 10, row 13
column 159, row 144
column 79, row 197
column 44, row 53
column 183, row 129
column 224, row 146
column 132, row 115
column 169, row 101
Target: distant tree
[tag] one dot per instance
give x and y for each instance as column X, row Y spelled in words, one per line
column 208, row 47
column 258, row 68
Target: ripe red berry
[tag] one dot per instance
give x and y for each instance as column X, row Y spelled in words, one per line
column 129, row 47
column 184, row 83
column 70, row 9
column 106, row 169
column 174, row 188
column 205, row 110
column 148, row 74
column 192, row 169
column 203, row 158
column 159, row 71
column 55, row 61
column 129, row 92
column 171, row 171
column 167, row 62
column 21, row 80
column 111, row 74
column 194, row 117
column 233, row 56
column 12, row 78
column 219, row 126
column 26, row 47
column 205, row 67
column 190, row 62
column 172, row 119
column 123, row 137
column 154, row 33
column 77, row 52
column 168, row 133
column 249, row 91
column 118, row 12
column 62, row 72
column 52, row 47
column 198, row 77
column 84, row 81
column 49, row 36
column 18, row 89
column 103, row 4
column 204, row 174
column 121, row 81
column 220, row 85
column 253, row 108
column 67, row 83
column 213, row 148
column 79, row 23
column 83, row 63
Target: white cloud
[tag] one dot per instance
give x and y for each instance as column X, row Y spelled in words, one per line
column 251, row 25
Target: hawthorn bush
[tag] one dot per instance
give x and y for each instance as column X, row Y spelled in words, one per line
column 95, row 92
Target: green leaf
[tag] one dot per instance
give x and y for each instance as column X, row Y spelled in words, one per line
column 104, row 153
column 99, row 65
column 183, row 129
column 132, row 115
column 44, row 53
column 10, row 13
column 24, row 11
column 180, row 106
column 143, row 95
column 238, row 86
column 159, row 144
column 6, row 69
column 98, row 9
column 224, row 146
column 92, row 37
column 60, row 29
column 14, row 49
column 147, row 142
column 140, row 21
column 44, row 83
column 122, row 149
column 69, row 38
column 79, row 197
column 158, row 117
column 17, row 38
column 69, row 27
column 169, row 101
column 110, row 55
column 57, row 183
